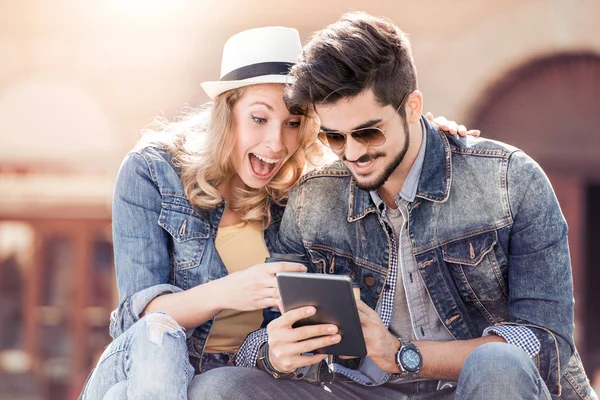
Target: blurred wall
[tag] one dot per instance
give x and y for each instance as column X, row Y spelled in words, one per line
column 79, row 79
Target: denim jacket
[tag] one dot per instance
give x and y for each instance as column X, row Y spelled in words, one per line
column 162, row 243
column 487, row 234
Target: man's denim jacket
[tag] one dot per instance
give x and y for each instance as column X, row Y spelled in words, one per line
column 487, row 234
column 162, row 244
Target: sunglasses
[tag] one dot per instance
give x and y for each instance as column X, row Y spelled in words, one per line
column 371, row 136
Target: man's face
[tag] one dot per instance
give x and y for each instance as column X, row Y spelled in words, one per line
column 371, row 166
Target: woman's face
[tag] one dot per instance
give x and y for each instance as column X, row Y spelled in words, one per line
column 266, row 134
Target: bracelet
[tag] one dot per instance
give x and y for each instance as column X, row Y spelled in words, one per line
column 263, row 358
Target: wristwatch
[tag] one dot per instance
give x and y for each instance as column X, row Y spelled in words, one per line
column 408, row 358
column 265, row 365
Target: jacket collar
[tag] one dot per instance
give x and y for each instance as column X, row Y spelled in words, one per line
column 436, row 175
column 434, row 182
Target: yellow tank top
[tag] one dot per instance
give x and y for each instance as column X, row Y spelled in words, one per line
column 240, row 246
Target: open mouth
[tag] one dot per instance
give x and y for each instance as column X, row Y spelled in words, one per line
column 263, row 167
column 363, row 166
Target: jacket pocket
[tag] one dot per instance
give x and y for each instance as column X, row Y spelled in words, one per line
column 189, row 234
column 474, row 267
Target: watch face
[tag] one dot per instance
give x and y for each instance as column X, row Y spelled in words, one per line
column 411, row 360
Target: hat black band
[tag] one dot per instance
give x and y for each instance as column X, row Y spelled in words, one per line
column 259, row 69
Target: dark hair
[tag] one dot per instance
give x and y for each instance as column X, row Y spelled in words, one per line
column 357, row 52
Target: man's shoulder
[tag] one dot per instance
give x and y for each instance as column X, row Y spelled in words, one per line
column 334, row 172
column 482, row 147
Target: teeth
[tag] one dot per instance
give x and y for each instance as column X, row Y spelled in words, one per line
column 362, row 164
column 265, row 159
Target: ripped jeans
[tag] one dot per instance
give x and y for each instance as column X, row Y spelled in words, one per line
column 148, row 361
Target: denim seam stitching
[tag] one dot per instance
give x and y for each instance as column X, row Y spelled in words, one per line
column 367, row 265
column 150, row 163
column 575, row 387
column 483, row 229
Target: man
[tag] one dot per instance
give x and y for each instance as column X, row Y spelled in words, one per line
column 459, row 245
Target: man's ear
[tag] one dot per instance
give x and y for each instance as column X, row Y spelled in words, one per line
column 414, row 107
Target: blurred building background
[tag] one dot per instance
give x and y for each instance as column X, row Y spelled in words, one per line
column 79, row 79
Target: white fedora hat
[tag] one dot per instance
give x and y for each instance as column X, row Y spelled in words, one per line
column 260, row 55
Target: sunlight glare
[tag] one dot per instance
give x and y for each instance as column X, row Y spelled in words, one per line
column 144, row 8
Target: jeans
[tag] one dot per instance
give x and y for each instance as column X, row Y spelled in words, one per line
column 492, row 371
column 148, row 361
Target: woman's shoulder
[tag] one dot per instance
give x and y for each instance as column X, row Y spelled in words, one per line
column 153, row 153
column 156, row 162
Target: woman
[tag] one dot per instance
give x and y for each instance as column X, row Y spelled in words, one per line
column 195, row 208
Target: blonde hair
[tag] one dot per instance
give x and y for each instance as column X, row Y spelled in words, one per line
column 200, row 143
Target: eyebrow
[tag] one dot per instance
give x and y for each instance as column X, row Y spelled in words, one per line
column 367, row 124
column 264, row 104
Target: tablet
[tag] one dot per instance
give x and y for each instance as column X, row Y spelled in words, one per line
column 332, row 296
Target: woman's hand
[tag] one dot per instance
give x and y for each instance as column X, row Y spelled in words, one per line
column 451, row 126
column 254, row 288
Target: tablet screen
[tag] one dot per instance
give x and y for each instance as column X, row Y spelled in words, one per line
column 333, row 298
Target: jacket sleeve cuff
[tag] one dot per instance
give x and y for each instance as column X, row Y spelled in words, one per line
column 132, row 307
column 520, row 336
column 248, row 353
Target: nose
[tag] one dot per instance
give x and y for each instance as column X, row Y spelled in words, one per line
column 274, row 138
column 353, row 149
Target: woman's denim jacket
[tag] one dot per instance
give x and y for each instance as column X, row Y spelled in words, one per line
column 487, row 234
column 162, row 244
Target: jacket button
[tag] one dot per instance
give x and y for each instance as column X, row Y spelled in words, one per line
column 370, row 281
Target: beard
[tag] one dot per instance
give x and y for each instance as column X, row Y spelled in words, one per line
column 379, row 180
